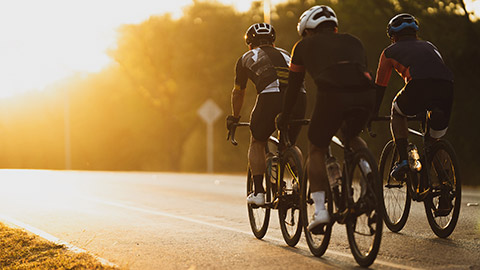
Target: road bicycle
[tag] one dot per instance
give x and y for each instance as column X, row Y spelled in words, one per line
column 355, row 201
column 284, row 167
column 434, row 175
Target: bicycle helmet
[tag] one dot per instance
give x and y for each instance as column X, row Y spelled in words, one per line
column 260, row 33
column 400, row 22
column 313, row 17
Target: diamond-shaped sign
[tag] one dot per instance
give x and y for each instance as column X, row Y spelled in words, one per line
column 209, row 111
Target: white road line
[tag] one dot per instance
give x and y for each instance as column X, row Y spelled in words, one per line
column 281, row 241
column 53, row 239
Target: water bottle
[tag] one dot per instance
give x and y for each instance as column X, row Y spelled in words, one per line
column 414, row 158
column 334, row 171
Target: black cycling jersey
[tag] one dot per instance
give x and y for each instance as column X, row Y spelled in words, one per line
column 266, row 66
column 334, row 61
column 412, row 59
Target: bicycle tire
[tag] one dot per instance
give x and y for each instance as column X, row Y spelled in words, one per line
column 396, row 198
column 289, row 205
column 365, row 224
column 317, row 243
column 443, row 152
column 259, row 217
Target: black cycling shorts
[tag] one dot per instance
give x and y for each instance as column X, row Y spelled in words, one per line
column 423, row 95
column 334, row 110
column 267, row 107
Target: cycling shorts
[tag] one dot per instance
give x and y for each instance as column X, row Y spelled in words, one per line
column 423, row 95
column 267, row 107
column 334, row 110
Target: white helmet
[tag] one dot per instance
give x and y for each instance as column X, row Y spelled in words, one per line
column 316, row 15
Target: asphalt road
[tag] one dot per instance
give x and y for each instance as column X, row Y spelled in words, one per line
column 199, row 221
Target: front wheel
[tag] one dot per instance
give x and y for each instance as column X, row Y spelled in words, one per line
column 317, row 241
column 396, row 198
column 289, row 204
column 444, row 172
column 365, row 223
column 259, row 216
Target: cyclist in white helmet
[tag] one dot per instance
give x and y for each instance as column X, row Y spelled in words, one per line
column 267, row 67
column 337, row 64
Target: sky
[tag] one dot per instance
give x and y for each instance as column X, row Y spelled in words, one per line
column 43, row 41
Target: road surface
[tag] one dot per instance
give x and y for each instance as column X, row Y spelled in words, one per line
column 199, row 221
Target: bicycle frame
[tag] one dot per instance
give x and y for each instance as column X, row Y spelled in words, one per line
column 417, row 192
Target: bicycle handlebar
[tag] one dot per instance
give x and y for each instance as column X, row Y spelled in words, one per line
column 231, row 132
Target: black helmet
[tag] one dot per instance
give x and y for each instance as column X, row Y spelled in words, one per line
column 400, row 22
column 260, row 33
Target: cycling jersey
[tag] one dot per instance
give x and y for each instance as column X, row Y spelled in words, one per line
column 335, row 61
column 412, row 59
column 266, row 66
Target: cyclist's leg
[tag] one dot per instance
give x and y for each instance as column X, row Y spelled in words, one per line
column 440, row 99
column 326, row 120
column 358, row 109
column 262, row 125
column 408, row 102
column 439, row 108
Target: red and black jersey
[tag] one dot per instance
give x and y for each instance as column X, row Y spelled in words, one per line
column 412, row 59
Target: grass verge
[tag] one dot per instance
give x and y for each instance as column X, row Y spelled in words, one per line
column 22, row 250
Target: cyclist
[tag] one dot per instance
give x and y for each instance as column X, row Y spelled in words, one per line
column 429, row 84
column 267, row 67
column 337, row 64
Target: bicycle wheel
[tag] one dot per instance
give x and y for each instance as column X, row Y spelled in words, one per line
column 289, row 204
column 365, row 224
column 443, row 169
column 317, row 242
column 259, row 216
column 396, row 198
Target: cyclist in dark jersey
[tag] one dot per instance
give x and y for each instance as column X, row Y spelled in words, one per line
column 337, row 64
column 267, row 67
column 429, row 85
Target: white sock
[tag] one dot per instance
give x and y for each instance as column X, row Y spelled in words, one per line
column 319, row 200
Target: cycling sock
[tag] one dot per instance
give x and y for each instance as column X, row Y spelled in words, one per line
column 319, row 200
column 258, row 184
column 402, row 148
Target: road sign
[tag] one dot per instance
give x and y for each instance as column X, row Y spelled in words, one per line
column 209, row 112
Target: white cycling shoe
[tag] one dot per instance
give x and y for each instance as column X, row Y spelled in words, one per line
column 258, row 199
column 320, row 217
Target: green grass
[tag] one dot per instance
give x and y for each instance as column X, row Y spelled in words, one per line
column 22, row 250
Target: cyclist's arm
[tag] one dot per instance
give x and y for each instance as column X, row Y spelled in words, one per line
column 238, row 95
column 296, row 76
column 238, row 92
column 384, row 71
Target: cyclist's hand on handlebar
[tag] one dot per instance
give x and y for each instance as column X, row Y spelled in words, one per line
column 231, row 120
column 281, row 121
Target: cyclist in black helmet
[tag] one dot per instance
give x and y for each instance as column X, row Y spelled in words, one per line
column 267, row 67
column 337, row 64
column 429, row 84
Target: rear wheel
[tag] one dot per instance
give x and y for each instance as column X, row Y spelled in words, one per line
column 259, row 216
column 317, row 241
column 442, row 205
column 396, row 198
column 289, row 204
column 365, row 224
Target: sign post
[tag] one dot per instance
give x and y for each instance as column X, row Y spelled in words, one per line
column 209, row 112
